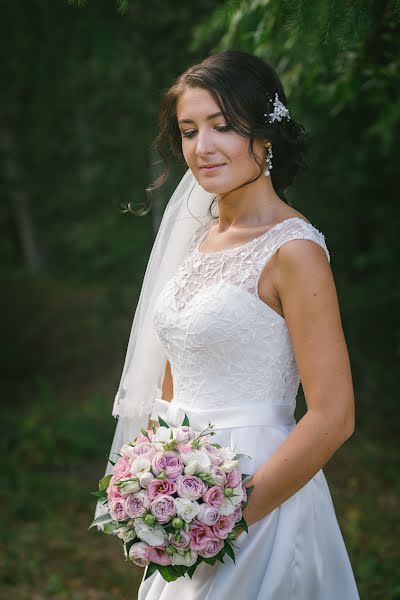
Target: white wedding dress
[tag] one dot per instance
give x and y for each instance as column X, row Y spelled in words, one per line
column 233, row 365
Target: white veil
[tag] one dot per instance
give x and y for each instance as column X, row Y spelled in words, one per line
column 145, row 362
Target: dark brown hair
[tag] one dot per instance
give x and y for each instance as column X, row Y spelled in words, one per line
column 244, row 87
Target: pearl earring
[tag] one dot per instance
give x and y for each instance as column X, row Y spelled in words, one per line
column 269, row 159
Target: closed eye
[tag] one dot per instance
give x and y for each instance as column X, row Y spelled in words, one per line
column 189, row 133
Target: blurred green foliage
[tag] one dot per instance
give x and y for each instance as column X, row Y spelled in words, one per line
column 81, row 84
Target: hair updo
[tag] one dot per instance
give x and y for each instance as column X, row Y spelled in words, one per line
column 244, row 87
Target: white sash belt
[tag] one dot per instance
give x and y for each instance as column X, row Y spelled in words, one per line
column 270, row 415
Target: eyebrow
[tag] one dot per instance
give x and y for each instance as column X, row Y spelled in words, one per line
column 213, row 116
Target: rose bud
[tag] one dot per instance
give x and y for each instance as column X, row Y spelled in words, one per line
column 177, row 523
column 149, row 519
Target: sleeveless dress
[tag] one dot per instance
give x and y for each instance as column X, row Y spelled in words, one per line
column 233, row 365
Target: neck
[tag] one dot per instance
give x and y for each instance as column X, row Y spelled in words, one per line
column 254, row 205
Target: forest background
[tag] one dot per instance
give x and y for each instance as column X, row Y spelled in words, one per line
column 81, row 85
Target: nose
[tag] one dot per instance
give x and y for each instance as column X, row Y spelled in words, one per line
column 205, row 143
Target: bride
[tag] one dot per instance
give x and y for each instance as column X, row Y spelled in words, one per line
column 242, row 306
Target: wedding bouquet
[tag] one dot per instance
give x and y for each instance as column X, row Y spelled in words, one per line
column 175, row 499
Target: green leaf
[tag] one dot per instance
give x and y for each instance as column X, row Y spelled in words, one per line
column 191, row 570
column 102, row 494
column 110, row 527
column 185, row 422
column 102, row 520
column 249, row 490
column 229, row 551
column 238, row 456
column 220, row 555
column 103, row 483
column 112, row 462
column 242, row 524
column 179, row 570
column 162, row 422
column 244, row 475
column 151, row 568
column 167, row 573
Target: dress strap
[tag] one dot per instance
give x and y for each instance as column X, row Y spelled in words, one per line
column 292, row 229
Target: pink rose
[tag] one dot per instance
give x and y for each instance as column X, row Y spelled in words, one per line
column 218, row 475
column 160, row 486
column 168, row 462
column 212, row 547
column 122, row 468
column 214, row 496
column 234, row 478
column 199, row 535
column 184, row 448
column 184, row 539
column 163, row 508
column 224, row 526
column 144, row 450
column 244, row 492
column 158, row 555
column 208, row 515
column 184, row 434
column 143, row 439
column 137, row 504
column 237, row 513
column 214, row 454
column 138, row 554
column 117, row 509
column 190, row 487
column 112, row 490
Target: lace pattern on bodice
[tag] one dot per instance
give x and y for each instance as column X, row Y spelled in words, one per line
column 241, row 265
column 225, row 344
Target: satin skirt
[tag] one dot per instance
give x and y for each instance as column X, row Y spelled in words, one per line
column 296, row 552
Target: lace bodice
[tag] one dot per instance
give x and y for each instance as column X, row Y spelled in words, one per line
column 225, row 345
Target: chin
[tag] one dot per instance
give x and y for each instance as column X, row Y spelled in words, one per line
column 213, row 186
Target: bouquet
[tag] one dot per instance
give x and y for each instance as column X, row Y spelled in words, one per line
column 175, row 499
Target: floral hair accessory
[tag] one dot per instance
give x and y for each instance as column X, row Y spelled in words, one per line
column 280, row 111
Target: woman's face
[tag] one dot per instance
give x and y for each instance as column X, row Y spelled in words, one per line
column 218, row 157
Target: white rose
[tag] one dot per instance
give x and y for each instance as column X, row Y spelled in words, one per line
column 229, row 504
column 199, row 456
column 140, row 465
column 145, row 478
column 158, row 446
column 127, row 536
column 162, row 434
column 237, row 497
column 154, row 536
column 127, row 487
column 229, row 465
column 127, row 451
column 227, row 453
column 193, row 468
column 186, row 509
column 184, row 557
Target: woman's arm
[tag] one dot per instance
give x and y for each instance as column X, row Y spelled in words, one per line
column 306, row 288
column 167, row 390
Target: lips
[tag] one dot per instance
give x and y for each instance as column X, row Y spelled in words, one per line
column 212, row 166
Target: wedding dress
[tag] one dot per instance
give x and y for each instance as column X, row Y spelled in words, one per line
column 233, row 365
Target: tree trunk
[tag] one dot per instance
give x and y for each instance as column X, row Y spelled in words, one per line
column 20, row 194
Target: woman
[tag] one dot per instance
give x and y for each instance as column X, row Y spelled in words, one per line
column 250, row 312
